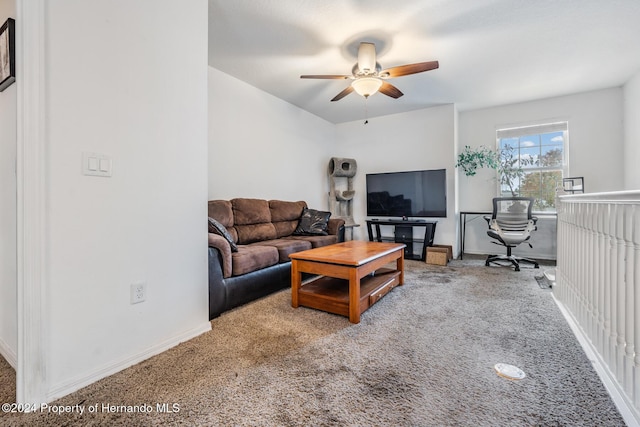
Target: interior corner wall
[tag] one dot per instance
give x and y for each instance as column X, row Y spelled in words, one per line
column 595, row 153
column 8, row 273
column 263, row 147
column 456, row 176
column 415, row 140
column 632, row 133
column 120, row 83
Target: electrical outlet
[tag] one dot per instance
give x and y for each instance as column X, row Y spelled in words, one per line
column 138, row 292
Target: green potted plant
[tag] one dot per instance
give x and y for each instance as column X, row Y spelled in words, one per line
column 506, row 162
column 470, row 159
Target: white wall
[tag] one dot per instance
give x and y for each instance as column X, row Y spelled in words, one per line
column 8, row 129
column 595, row 152
column 127, row 88
column 595, row 139
column 632, row 133
column 422, row 139
column 263, row 147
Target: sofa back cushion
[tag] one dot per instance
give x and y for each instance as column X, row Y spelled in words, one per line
column 252, row 220
column 285, row 216
column 222, row 211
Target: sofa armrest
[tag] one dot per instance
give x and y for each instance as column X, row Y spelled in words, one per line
column 217, row 287
column 335, row 226
column 220, row 243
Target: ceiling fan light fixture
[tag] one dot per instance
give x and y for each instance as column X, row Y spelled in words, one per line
column 366, row 86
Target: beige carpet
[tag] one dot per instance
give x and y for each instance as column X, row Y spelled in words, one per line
column 422, row 356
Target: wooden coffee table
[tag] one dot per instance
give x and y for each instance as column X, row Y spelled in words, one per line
column 351, row 276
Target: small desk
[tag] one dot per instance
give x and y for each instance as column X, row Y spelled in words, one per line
column 463, row 225
column 463, row 222
column 403, row 233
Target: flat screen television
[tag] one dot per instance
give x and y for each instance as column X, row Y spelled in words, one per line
column 407, row 194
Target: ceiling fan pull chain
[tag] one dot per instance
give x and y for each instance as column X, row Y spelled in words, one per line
column 366, row 111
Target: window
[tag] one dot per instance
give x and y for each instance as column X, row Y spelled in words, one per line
column 532, row 162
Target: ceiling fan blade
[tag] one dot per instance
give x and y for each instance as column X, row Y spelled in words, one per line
column 344, row 93
column 325, row 76
column 404, row 70
column 367, row 58
column 390, row 90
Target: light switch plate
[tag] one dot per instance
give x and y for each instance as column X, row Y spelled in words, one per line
column 105, row 165
column 92, row 163
column 95, row 164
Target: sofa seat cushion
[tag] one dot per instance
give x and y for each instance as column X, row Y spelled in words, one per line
column 317, row 241
column 286, row 247
column 253, row 257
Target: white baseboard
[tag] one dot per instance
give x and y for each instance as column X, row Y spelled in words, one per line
column 8, row 354
column 67, row 387
column 630, row 415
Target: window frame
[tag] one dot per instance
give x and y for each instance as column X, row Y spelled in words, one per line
column 537, row 129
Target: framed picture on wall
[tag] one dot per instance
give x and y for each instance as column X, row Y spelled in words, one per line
column 7, row 54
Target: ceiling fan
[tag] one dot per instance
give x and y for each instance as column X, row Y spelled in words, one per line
column 369, row 77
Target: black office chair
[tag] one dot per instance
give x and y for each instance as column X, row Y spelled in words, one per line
column 511, row 223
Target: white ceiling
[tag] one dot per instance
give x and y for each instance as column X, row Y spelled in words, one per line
column 491, row 52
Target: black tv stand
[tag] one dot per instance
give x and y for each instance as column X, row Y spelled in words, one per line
column 403, row 233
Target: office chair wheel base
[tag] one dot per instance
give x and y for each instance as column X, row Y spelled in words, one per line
column 509, row 261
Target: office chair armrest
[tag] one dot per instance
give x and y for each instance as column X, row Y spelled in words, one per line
column 532, row 226
column 488, row 219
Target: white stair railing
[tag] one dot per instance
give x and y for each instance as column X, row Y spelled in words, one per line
column 597, row 274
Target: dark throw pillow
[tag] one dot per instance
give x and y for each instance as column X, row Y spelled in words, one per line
column 313, row 223
column 217, row 228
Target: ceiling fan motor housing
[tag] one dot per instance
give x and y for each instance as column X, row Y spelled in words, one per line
column 367, row 58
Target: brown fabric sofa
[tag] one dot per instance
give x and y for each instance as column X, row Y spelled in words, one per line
column 265, row 234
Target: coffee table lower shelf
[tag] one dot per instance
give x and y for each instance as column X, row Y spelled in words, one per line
column 332, row 295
